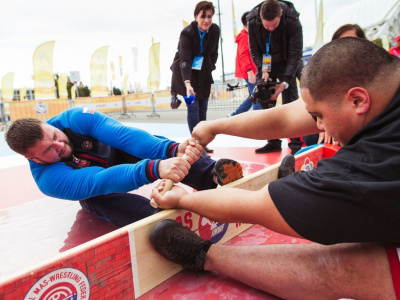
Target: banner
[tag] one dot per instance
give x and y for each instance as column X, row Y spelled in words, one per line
column 120, row 66
column 112, row 67
column 62, row 86
column 153, row 81
column 98, row 69
column 22, row 94
column 125, row 86
column 319, row 38
column 7, row 87
column 234, row 24
column 185, row 23
column 135, row 52
column 73, row 92
column 43, row 71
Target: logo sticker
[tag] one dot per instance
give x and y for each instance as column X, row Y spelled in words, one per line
column 41, row 108
column 87, row 110
column 83, row 163
column 87, row 145
column 212, row 231
column 308, row 165
column 65, row 283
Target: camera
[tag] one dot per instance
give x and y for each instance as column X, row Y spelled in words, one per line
column 262, row 93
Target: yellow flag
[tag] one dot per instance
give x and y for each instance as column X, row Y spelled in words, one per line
column 125, row 88
column 7, row 87
column 319, row 38
column 120, row 66
column 73, row 92
column 22, row 94
column 43, row 71
column 62, row 86
column 153, row 81
column 385, row 42
column 185, row 23
column 234, row 24
column 98, row 69
column 112, row 67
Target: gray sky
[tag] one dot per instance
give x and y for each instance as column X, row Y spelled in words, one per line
column 79, row 28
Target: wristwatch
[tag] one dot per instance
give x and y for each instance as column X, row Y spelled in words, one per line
column 285, row 84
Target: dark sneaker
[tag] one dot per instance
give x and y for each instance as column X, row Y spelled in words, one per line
column 226, row 171
column 270, row 147
column 179, row 245
column 295, row 150
column 208, row 150
column 287, row 166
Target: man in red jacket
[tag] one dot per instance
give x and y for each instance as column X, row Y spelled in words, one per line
column 245, row 67
column 395, row 50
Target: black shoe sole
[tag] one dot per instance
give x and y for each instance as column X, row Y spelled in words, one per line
column 287, row 166
column 268, row 151
column 227, row 171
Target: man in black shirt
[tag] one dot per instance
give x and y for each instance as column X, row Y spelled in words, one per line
column 349, row 206
column 275, row 34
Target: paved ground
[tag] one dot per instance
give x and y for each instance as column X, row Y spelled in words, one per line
column 170, row 116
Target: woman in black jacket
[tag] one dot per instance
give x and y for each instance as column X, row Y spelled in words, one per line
column 195, row 60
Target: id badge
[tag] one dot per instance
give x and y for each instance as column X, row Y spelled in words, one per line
column 197, row 62
column 266, row 64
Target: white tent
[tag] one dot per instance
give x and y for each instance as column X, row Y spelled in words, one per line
column 377, row 18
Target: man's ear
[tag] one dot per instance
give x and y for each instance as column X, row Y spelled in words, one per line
column 32, row 159
column 359, row 99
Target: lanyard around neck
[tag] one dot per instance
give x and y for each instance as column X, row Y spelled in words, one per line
column 268, row 43
column 201, row 39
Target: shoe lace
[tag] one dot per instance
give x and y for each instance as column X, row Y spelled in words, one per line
column 188, row 251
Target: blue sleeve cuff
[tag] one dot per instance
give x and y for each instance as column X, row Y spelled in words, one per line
column 172, row 149
column 152, row 173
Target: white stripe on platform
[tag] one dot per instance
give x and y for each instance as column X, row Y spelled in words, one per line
column 12, row 161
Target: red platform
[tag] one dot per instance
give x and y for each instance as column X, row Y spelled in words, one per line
column 36, row 228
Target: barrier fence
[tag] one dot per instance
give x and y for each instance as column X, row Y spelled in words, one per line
column 117, row 106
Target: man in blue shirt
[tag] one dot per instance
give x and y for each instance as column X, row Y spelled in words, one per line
column 84, row 155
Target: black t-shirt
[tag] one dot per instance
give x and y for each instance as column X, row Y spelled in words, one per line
column 353, row 196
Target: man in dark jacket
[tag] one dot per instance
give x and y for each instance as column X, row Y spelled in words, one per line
column 275, row 34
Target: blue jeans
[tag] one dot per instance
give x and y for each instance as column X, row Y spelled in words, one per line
column 197, row 112
column 246, row 105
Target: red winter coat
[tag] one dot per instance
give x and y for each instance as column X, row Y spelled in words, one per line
column 244, row 62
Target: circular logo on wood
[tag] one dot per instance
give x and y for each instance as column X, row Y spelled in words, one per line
column 61, row 284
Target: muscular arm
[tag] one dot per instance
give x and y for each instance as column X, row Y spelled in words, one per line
column 230, row 205
column 285, row 121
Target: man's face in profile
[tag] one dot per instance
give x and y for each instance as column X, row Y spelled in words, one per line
column 53, row 148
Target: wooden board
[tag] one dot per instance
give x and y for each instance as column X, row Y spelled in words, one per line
column 122, row 264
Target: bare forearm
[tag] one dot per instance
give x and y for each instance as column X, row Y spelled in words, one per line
column 231, row 205
column 290, row 120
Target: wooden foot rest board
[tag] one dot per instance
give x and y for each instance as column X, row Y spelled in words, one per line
column 122, row 264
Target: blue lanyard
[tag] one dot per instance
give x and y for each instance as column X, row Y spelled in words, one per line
column 201, row 39
column 269, row 41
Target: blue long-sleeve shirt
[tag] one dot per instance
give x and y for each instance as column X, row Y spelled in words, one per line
column 61, row 180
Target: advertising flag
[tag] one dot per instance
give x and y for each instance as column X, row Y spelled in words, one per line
column 7, row 87
column 135, row 52
column 185, row 23
column 112, row 67
column 120, row 66
column 43, row 72
column 319, row 38
column 125, row 86
column 153, row 81
column 234, row 24
column 22, row 94
column 73, row 92
column 98, row 69
column 62, row 86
